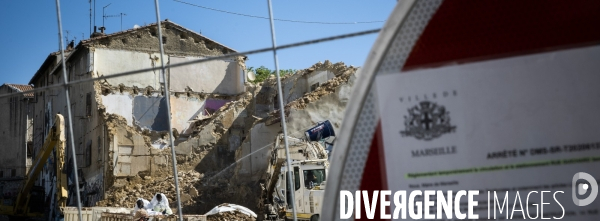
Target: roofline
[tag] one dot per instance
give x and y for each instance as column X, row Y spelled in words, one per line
column 25, row 93
column 166, row 21
column 51, row 57
column 45, row 64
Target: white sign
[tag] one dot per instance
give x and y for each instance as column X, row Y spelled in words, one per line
column 518, row 124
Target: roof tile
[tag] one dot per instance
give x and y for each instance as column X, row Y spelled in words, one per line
column 22, row 88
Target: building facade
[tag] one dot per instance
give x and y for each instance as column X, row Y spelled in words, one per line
column 120, row 124
column 15, row 136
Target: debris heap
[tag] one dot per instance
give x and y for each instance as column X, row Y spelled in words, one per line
column 229, row 216
column 146, row 187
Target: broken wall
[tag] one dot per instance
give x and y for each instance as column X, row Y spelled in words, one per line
column 149, row 112
column 223, row 76
column 293, row 87
column 132, row 155
column 297, row 85
column 138, row 97
column 327, row 101
column 109, row 61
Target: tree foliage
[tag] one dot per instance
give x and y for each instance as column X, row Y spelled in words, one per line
column 262, row 73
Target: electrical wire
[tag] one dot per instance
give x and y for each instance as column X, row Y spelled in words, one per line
column 276, row 19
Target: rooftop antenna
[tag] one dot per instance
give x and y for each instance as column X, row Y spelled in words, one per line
column 90, row 1
column 122, row 14
column 119, row 15
column 67, row 37
column 94, row 15
column 104, row 15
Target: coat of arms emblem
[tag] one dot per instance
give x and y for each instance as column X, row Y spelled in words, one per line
column 427, row 121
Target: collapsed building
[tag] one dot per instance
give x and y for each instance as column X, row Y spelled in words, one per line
column 215, row 168
column 222, row 124
column 119, row 124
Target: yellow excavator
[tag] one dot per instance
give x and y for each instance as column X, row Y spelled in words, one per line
column 30, row 202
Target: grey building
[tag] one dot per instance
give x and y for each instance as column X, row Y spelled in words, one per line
column 15, row 136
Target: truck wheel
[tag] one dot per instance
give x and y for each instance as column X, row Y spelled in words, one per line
column 314, row 218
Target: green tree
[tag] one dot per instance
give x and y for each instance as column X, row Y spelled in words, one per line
column 262, row 73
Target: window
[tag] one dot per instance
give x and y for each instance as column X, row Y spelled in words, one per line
column 99, row 149
column 13, row 172
column 315, row 176
column 1, row 173
column 296, row 178
column 88, row 154
column 84, row 155
column 88, row 105
column 29, row 149
column 314, row 86
column 288, row 193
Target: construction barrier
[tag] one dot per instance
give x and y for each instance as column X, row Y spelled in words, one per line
column 108, row 216
column 91, row 213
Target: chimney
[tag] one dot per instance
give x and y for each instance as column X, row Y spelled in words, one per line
column 71, row 45
column 96, row 34
column 102, row 29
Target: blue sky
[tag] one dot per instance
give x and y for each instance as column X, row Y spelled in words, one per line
column 29, row 28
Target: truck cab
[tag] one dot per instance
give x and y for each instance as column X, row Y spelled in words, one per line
column 308, row 183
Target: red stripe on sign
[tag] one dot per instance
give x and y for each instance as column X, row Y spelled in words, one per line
column 473, row 30
column 374, row 174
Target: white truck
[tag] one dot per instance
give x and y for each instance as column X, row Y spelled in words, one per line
column 309, row 173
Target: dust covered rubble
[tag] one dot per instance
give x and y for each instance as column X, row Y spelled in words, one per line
column 145, row 187
column 229, row 216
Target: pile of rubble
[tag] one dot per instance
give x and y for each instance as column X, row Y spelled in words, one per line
column 230, row 216
column 146, row 187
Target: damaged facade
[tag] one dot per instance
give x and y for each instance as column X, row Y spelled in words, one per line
column 225, row 158
column 224, row 127
column 119, row 124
